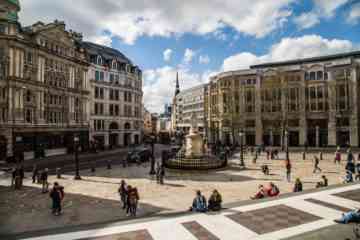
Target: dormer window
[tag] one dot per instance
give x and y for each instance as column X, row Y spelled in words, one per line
column 99, row 61
column 114, row 64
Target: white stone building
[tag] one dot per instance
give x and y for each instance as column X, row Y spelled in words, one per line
column 116, row 97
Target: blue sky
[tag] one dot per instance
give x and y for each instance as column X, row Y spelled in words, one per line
column 204, row 37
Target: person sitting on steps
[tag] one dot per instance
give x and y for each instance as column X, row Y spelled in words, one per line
column 260, row 194
column 199, row 203
column 352, row 216
column 215, row 201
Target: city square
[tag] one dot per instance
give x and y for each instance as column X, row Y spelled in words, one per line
column 179, row 120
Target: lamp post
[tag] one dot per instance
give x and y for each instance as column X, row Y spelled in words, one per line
column 242, row 163
column 76, row 144
column 287, row 144
column 152, row 160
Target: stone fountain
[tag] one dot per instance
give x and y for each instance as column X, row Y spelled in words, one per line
column 194, row 144
column 192, row 155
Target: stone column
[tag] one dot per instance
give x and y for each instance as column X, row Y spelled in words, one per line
column 258, row 121
column 353, row 96
column 317, row 136
column 332, row 110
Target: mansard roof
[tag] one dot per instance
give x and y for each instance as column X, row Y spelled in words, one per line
column 105, row 52
column 308, row 60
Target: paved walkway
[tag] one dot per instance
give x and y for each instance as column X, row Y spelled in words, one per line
column 279, row 218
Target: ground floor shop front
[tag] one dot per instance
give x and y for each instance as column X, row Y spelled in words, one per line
column 29, row 143
column 107, row 140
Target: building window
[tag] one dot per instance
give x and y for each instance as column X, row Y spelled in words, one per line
column 2, row 29
column 99, row 61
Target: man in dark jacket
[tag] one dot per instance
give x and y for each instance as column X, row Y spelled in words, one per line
column 44, row 178
column 57, row 195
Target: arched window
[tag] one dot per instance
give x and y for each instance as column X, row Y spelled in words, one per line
column 127, row 125
column 28, row 96
column 113, row 126
column 99, row 61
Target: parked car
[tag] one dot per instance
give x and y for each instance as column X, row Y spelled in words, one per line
column 139, row 155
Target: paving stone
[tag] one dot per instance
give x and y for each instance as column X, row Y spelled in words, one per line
column 199, row 231
column 134, row 235
column 272, row 219
column 352, row 195
column 328, row 205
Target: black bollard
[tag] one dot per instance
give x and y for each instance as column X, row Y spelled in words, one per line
column 108, row 164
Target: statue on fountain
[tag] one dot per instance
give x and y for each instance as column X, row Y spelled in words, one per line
column 193, row 141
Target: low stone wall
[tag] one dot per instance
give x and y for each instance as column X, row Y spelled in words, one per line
column 196, row 163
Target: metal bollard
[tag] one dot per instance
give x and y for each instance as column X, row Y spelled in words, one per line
column 108, row 164
column 58, row 173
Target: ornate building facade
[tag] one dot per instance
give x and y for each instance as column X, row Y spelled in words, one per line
column 43, row 87
column 311, row 102
column 116, row 97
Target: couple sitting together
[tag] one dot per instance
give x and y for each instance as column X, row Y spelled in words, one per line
column 271, row 191
column 200, row 205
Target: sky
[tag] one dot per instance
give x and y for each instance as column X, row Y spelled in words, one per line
column 201, row 38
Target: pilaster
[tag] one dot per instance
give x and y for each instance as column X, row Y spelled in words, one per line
column 332, row 110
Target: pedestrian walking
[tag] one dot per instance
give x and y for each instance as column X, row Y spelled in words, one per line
column 123, row 193
column 316, row 165
column 133, row 198
column 350, row 156
column 337, row 158
column 57, row 195
column 321, row 156
column 288, row 170
column 44, row 180
column 35, row 173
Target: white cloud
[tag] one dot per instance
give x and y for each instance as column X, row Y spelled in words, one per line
column 102, row 40
column 307, row 20
column 204, row 59
column 188, row 55
column 354, row 14
column 328, row 8
column 322, row 9
column 130, row 20
column 220, row 35
column 161, row 91
column 167, row 54
column 289, row 48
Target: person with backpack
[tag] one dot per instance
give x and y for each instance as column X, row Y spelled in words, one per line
column 133, row 196
column 273, row 190
column 57, row 195
column 199, row 203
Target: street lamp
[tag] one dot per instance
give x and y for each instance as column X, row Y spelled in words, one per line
column 152, row 160
column 76, row 144
column 287, row 145
column 241, row 134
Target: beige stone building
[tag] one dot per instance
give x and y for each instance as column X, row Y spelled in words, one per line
column 313, row 101
column 148, row 130
column 116, row 97
column 44, row 93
